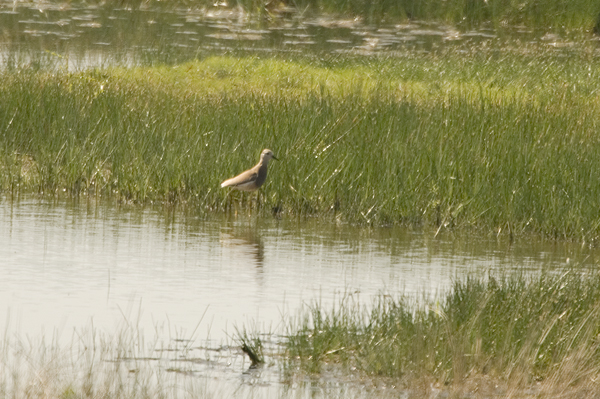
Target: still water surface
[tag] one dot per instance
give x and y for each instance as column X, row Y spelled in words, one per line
column 74, row 37
column 192, row 279
column 65, row 263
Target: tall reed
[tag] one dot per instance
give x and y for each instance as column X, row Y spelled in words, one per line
column 504, row 143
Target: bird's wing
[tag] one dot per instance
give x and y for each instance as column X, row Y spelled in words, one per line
column 243, row 178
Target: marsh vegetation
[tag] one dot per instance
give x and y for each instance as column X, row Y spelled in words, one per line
column 511, row 336
column 500, row 139
column 505, row 142
column 509, row 333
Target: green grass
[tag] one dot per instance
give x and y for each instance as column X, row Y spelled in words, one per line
column 252, row 345
column 494, row 140
column 516, row 332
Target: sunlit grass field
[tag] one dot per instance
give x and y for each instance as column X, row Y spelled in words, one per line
column 504, row 142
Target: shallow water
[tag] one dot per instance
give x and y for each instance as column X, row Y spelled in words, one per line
column 66, row 36
column 67, row 265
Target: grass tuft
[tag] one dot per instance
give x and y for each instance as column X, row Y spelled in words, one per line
column 537, row 331
column 251, row 345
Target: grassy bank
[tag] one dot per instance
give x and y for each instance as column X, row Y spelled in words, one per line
column 507, row 143
column 507, row 337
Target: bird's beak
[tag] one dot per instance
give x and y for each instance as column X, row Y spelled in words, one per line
column 275, row 158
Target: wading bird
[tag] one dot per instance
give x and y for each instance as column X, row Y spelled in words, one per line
column 253, row 178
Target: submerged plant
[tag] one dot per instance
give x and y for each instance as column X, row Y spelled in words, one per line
column 251, row 345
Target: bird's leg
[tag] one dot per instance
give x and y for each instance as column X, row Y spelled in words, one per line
column 240, row 201
column 226, row 202
column 234, row 201
column 258, row 200
column 244, row 201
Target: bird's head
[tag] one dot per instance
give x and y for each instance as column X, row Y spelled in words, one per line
column 266, row 155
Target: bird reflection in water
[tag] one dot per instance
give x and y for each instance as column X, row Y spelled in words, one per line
column 247, row 239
